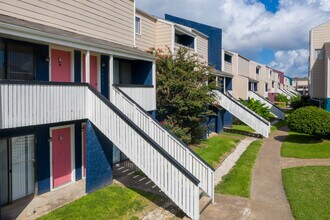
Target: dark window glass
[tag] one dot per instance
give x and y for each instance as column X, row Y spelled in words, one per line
column 2, row 61
column 20, row 62
column 257, row 70
column 227, row 58
column 185, row 40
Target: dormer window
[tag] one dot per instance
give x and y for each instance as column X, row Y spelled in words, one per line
column 257, row 70
column 228, row 58
column 184, row 39
column 137, row 25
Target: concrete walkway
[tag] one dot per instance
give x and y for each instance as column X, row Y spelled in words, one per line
column 268, row 199
column 231, row 160
column 287, row 162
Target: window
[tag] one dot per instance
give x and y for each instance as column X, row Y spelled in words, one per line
column 2, row 61
column 137, row 25
column 228, row 58
column 20, row 63
column 257, row 70
column 184, row 39
column 318, row 54
column 266, row 87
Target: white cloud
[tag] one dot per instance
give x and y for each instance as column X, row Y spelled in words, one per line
column 292, row 62
column 247, row 26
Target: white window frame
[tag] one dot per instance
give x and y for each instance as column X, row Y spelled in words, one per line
column 318, row 54
column 139, row 31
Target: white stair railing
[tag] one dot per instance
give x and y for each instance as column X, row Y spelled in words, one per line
column 30, row 104
column 272, row 108
column 246, row 115
column 168, row 141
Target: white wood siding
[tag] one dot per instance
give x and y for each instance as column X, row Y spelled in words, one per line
column 163, row 35
column 202, row 48
column 111, row 20
column 318, row 36
column 243, row 66
column 147, row 38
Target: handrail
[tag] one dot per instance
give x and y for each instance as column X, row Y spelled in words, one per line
column 228, row 95
column 240, row 111
column 82, row 101
column 180, row 151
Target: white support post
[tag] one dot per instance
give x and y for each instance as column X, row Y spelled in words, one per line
column 224, row 85
column 154, row 79
column 87, row 66
column 111, row 95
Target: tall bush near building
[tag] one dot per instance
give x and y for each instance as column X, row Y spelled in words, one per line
column 281, row 98
column 257, row 107
column 310, row 120
column 183, row 94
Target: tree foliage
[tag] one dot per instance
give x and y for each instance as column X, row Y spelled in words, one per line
column 183, row 94
column 257, row 107
column 310, row 120
column 302, row 101
column 281, row 98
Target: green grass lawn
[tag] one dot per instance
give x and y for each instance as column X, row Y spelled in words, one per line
column 214, row 149
column 308, row 191
column 244, row 128
column 304, row 146
column 238, row 181
column 113, row 202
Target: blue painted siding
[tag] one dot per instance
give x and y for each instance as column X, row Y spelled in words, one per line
column 214, row 34
column 142, row 72
column 77, row 66
column 105, row 75
column 227, row 119
column 327, row 104
column 78, row 150
column 41, row 53
column 99, row 156
column 43, row 160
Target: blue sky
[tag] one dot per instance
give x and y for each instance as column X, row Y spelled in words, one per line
column 272, row 32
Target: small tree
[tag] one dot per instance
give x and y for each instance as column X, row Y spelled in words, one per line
column 183, row 94
column 257, row 107
column 310, row 120
column 281, row 98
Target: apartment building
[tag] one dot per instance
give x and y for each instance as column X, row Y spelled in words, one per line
column 77, row 97
column 319, row 62
column 300, row 84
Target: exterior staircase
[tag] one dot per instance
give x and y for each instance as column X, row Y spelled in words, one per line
column 246, row 115
column 279, row 113
column 168, row 162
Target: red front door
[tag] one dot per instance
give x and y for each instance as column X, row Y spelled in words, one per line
column 61, row 156
column 60, row 66
column 93, row 71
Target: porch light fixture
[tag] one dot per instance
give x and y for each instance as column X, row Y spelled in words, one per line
column 59, row 59
column 49, row 139
column 47, row 59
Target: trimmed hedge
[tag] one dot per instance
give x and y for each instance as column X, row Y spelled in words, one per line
column 310, row 120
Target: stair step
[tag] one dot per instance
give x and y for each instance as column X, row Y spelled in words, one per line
column 204, row 202
column 201, row 192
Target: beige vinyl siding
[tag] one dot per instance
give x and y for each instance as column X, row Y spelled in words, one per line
column 163, row 35
column 240, row 87
column 202, row 48
column 243, row 66
column 147, row 38
column 111, row 20
column 227, row 67
column 326, row 70
column 252, row 70
column 319, row 36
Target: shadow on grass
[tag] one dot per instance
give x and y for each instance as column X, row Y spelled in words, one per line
column 245, row 133
column 128, row 175
column 299, row 139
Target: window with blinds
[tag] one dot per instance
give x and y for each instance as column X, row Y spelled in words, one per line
column 20, row 62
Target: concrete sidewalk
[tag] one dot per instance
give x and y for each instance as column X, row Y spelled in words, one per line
column 268, row 199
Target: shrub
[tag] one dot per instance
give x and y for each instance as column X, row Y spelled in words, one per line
column 182, row 133
column 303, row 101
column 310, row 120
column 281, row 98
column 257, row 107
